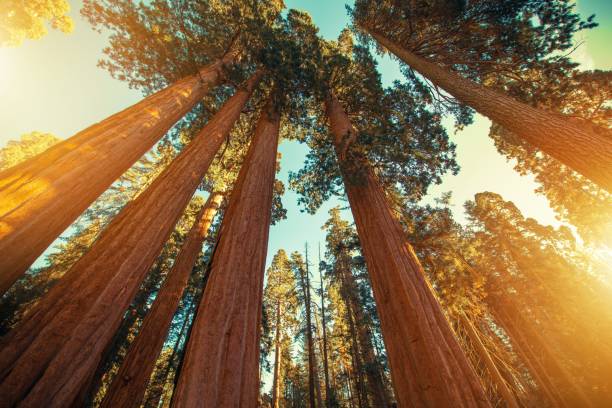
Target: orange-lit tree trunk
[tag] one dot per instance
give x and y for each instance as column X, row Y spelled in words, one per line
column 360, row 385
column 498, row 380
column 49, row 357
column 41, row 197
column 537, row 371
column 520, row 327
column 579, row 147
column 220, row 367
column 427, row 364
column 129, row 385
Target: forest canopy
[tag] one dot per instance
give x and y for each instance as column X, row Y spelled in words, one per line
column 150, row 259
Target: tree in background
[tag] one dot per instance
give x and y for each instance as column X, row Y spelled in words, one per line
column 21, row 20
column 540, row 288
column 301, row 270
column 281, row 306
column 361, row 316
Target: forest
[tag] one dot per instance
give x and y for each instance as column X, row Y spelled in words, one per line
column 135, row 263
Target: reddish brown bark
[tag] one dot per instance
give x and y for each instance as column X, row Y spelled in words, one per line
column 41, row 197
column 579, row 147
column 50, row 356
column 484, row 355
column 220, row 367
column 428, row 367
column 130, row 383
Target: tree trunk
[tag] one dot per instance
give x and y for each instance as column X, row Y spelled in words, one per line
column 64, row 339
column 220, row 367
column 305, row 283
column 497, row 378
column 130, row 383
column 572, row 392
column 578, row 147
column 41, row 197
column 536, row 370
column 277, row 351
column 427, row 364
column 362, row 395
column 375, row 382
column 324, row 329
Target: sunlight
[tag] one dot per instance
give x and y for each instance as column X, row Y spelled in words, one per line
column 4, row 69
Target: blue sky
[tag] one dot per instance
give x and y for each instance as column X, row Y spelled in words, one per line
column 53, row 85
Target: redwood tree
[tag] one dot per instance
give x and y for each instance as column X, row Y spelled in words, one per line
column 463, row 46
column 221, row 361
column 130, row 382
column 91, row 298
column 41, row 197
column 408, row 309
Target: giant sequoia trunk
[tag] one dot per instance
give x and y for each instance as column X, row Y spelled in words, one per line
column 428, row 367
column 41, row 197
column 48, row 358
column 579, row 147
column 129, row 385
column 220, row 367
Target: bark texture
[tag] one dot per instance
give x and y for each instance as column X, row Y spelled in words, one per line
column 41, row 197
column 578, row 147
column 220, row 367
column 496, row 376
column 46, row 361
column 129, row 385
column 428, row 367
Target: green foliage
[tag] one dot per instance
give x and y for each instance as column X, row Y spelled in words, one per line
column 477, row 38
column 397, row 134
